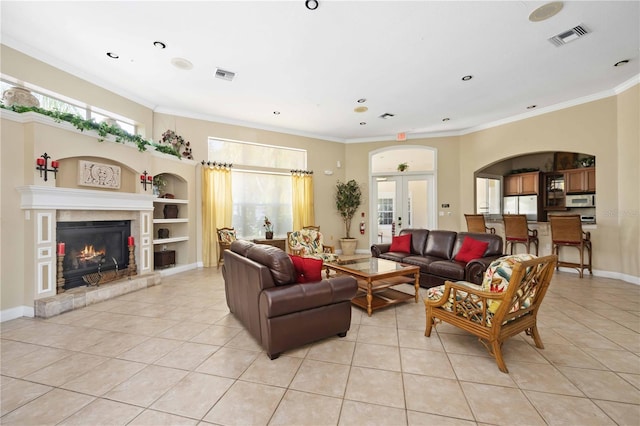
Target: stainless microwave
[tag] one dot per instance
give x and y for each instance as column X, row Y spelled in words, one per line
column 581, row 200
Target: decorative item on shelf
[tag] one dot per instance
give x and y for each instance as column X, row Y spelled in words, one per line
column 163, row 233
column 178, row 143
column 42, row 164
column 402, row 167
column 19, row 96
column 146, row 179
column 588, row 161
column 168, row 196
column 524, row 170
column 159, row 183
column 268, row 227
column 564, row 160
column 348, row 199
column 170, row 211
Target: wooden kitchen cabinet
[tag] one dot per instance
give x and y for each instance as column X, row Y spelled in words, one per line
column 580, row 180
column 522, row 184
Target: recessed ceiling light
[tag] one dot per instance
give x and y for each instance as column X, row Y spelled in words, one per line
column 532, row 106
column 363, row 123
column 159, row 44
column 181, row 63
column 546, row 11
column 112, row 55
column 446, row 119
column 361, row 109
column 361, row 100
column 311, row 4
column 621, row 63
column 276, row 112
column 467, row 77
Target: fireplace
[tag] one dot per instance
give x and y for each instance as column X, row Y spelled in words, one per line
column 92, row 248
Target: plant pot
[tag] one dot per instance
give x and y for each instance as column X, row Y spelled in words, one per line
column 348, row 246
column 268, row 235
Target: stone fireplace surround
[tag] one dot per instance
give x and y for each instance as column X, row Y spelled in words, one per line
column 44, row 206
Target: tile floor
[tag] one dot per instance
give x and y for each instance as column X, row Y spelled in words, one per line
column 173, row 355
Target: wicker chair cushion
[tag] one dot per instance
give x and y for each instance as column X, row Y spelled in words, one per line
column 497, row 276
column 227, row 235
column 308, row 240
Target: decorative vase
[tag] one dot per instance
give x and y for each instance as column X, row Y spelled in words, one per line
column 171, row 211
column 163, row 233
column 19, row 96
column 269, row 235
column 348, row 246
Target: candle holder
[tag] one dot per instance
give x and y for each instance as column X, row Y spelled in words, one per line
column 133, row 270
column 146, row 179
column 60, row 281
column 42, row 165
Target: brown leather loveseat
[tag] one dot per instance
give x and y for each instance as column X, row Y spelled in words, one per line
column 261, row 289
column 435, row 252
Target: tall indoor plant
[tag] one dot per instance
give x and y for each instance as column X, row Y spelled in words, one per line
column 348, row 199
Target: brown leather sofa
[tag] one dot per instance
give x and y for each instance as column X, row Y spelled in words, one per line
column 261, row 290
column 435, row 251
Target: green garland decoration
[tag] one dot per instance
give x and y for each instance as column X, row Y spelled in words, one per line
column 103, row 129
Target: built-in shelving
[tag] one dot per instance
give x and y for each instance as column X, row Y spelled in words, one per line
column 178, row 227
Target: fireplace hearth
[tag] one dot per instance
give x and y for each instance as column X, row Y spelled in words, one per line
column 93, row 248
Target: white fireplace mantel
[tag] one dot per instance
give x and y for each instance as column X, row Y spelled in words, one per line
column 34, row 197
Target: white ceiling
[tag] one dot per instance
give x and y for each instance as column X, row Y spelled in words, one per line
column 405, row 57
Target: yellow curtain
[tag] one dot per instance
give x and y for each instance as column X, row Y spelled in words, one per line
column 303, row 209
column 217, row 209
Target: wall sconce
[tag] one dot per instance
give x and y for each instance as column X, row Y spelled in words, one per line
column 42, row 164
column 146, row 179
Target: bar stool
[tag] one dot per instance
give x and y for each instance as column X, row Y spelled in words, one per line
column 516, row 231
column 566, row 231
column 475, row 223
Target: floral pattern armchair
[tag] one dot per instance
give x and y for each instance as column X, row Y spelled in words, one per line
column 225, row 237
column 309, row 242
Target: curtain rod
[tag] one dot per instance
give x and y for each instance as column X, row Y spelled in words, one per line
column 302, row 172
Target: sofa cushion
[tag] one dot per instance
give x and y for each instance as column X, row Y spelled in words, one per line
column 471, row 249
column 418, row 239
column 241, row 247
column 308, row 269
column 395, row 256
column 401, row 243
column 451, row 270
column 440, row 244
column 278, row 262
column 495, row 247
column 422, row 261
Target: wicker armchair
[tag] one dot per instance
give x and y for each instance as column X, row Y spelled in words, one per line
column 309, row 242
column 475, row 223
column 566, row 231
column 225, row 237
column 505, row 305
column 516, row 231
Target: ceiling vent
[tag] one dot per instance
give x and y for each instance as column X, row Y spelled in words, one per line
column 225, row 75
column 387, row 115
column 570, row 35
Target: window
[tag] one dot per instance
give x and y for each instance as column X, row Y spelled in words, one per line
column 488, row 195
column 261, row 184
column 385, row 211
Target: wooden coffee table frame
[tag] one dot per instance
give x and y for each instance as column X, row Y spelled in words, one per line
column 374, row 290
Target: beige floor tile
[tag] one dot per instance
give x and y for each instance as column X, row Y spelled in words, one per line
column 479, row 370
column 333, row 350
column 277, row 372
column 244, row 340
column 193, row 396
column 634, row 379
column 621, row 413
column 570, row 356
column 115, row 343
column 361, row 414
column 567, row 410
column 11, row 349
column 377, row 335
column 543, row 378
column 375, row 387
column 228, row 362
column 32, row 361
column 462, row 344
column 229, row 321
column 14, row 324
column 602, row 385
column 103, row 412
column 517, row 349
column 620, row 361
column 49, row 409
column 509, row 407
column 208, row 316
column 159, row 418
column 321, row 377
column 380, row 318
column 588, row 339
column 377, row 356
column 299, row 408
column 417, row 340
column 183, row 331
column 147, row 326
column 416, row 418
column 101, row 380
column 436, row 396
column 216, row 335
column 426, row 363
column 66, row 369
column 187, row 356
column 15, row 392
column 74, row 317
column 146, row 386
column 232, row 408
column 150, row 350
column 628, row 340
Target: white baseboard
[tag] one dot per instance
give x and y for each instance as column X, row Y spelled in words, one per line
column 17, row 312
column 606, row 274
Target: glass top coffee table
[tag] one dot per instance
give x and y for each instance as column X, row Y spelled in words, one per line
column 375, row 278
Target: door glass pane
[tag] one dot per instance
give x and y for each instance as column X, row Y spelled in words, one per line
column 417, row 212
column 386, row 190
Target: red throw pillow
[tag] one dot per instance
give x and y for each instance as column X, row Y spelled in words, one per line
column 401, row 243
column 471, row 249
column 308, row 269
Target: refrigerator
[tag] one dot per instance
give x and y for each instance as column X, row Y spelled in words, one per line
column 521, row 204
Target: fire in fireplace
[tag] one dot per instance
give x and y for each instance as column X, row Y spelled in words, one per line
column 93, row 247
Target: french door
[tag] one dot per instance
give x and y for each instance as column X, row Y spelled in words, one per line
column 406, row 201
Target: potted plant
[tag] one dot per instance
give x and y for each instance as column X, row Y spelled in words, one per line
column 159, row 184
column 402, row 167
column 348, row 199
column 268, row 226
